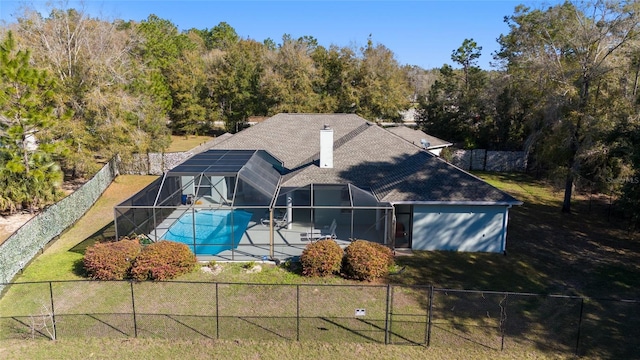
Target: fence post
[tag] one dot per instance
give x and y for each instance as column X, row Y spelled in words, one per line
column 53, row 312
column 503, row 319
column 297, row 312
column 579, row 324
column 429, row 316
column 387, row 316
column 217, row 315
column 133, row 307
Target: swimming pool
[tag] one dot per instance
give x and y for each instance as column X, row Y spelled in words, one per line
column 215, row 230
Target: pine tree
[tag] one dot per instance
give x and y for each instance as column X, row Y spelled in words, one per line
column 28, row 175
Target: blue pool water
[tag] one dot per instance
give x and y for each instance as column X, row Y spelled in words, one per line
column 215, row 230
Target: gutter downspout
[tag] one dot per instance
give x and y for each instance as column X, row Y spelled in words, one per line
column 391, row 232
column 505, row 221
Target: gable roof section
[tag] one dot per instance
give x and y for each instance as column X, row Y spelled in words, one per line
column 436, row 181
column 367, row 156
column 415, row 137
column 293, row 138
column 217, row 140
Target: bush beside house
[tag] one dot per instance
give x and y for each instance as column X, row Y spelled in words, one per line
column 126, row 258
column 163, row 260
column 111, row 260
column 361, row 260
column 365, row 260
column 321, row 258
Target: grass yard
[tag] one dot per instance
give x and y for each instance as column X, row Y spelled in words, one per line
column 237, row 349
column 186, row 143
column 588, row 253
column 60, row 260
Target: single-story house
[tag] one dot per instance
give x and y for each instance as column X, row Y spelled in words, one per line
column 270, row 189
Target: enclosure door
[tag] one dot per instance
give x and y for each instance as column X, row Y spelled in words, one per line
column 403, row 226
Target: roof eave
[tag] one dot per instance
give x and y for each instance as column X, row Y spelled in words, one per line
column 464, row 202
column 438, row 146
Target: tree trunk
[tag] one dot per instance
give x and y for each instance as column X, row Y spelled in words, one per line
column 572, row 165
column 575, row 144
column 635, row 79
column 568, row 189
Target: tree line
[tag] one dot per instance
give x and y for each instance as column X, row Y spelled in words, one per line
column 77, row 89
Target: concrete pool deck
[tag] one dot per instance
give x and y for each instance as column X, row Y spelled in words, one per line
column 288, row 241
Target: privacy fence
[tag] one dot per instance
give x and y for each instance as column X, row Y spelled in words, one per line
column 32, row 237
column 385, row 314
column 487, row 160
column 158, row 163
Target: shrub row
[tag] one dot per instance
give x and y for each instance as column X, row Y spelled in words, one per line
column 163, row 260
column 111, row 260
column 126, row 258
column 365, row 260
column 361, row 260
column 321, row 258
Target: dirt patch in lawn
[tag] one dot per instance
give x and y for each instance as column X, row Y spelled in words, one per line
column 9, row 224
column 121, row 188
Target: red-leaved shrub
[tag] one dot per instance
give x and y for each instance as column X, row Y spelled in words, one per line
column 364, row 260
column 110, row 260
column 321, row 258
column 163, row 260
column 386, row 251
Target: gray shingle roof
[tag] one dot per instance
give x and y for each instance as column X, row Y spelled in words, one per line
column 293, row 138
column 415, row 136
column 366, row 156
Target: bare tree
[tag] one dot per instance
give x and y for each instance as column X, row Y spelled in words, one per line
column 43, row 323
column 564, row 52
column 96, row 70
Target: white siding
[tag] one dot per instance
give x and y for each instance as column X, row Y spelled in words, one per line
column 459, row 228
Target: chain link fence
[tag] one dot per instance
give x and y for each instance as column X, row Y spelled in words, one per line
column 385, row 314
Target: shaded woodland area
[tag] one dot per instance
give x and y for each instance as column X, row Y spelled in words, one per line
column 77, row 90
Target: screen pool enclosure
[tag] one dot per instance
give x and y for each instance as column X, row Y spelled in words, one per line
column 235, row 205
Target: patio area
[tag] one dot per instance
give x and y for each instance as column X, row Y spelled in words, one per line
column 220, row 204
column 255, row 243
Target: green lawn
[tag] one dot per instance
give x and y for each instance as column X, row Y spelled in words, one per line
column 238, row 349
column 186, row 143
column 61, row 260
column 587, row 253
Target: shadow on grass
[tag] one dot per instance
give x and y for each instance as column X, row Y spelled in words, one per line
column 472, row 271
column 78, row 269
column 294, row 267
column 337, row 324
column 587, row 254
column 107, row 233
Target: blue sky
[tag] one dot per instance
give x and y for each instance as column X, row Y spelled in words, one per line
column 422, row 33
